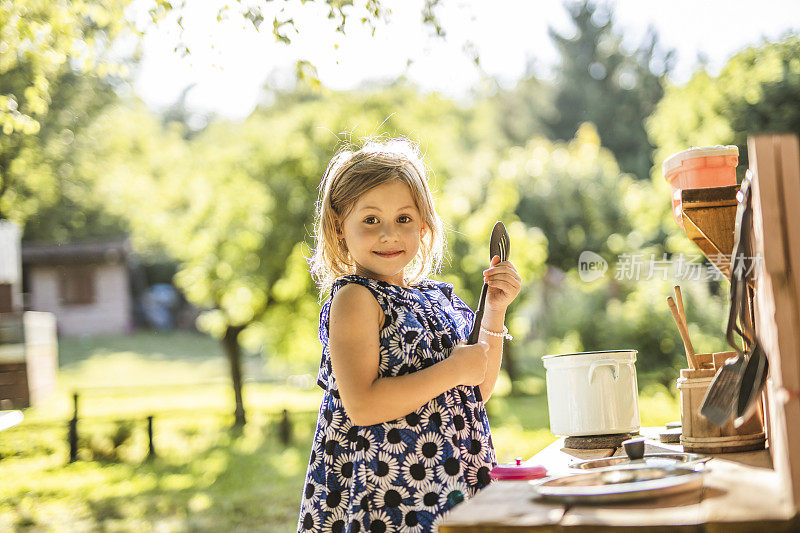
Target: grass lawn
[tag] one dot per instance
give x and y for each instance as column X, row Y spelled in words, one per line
column 204, row 477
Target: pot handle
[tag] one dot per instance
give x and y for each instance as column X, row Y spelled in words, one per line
column 613, row 363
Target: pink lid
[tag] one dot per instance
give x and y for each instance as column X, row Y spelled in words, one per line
column 517, row 470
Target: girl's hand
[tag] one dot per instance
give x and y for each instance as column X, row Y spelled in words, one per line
column 504, row 284
column 470, row 362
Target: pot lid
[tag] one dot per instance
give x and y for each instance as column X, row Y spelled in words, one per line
column 517, row 470
column 599, row 352
column 621, row 484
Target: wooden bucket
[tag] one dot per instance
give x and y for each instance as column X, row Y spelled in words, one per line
column 699, row 434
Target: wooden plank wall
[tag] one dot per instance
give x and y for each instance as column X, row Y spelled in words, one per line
column 775, row 163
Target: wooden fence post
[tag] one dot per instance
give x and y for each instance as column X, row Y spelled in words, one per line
column 73, row 431
column 285, row 429
column 151, row 451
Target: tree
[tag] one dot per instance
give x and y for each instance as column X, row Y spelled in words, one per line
column 472, row 202
column 48, row 49
column 602, row 83
column 60, row 204
column 574, row 195
column 44, row 41
column 755, row 92
column 521, row 112
column 282, row 19
column 235, row 204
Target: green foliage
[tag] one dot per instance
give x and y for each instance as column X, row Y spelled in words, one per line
column 55, row 77
column 572, row 192
column 235, row 204
column 601, row 82
column 338, row 15
column 756, row 92
column 521, row 113
column 43, row 188
column 41, row 38
column 571, row 197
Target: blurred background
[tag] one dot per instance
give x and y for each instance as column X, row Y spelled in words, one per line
column 159, row 165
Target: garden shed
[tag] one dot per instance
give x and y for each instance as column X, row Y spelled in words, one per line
column 86, row 285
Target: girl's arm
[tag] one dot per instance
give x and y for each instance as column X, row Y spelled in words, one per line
column 504, row 285
column 355, row 321
column 493, row 321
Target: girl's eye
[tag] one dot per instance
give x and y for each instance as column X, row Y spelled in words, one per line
column 404, row 219
column 370, row 220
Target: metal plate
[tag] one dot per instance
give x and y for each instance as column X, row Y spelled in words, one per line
column 650, row 460
column 619, row 484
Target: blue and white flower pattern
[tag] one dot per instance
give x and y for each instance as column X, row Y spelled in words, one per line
column 406, row 474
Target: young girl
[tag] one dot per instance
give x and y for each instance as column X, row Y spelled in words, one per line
column 401, row 437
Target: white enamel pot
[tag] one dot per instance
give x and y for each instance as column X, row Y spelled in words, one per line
column 592, row 393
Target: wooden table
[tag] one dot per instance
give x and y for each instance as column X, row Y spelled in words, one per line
column 741, row 492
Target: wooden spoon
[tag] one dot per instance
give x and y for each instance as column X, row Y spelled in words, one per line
column 682, row 310
column 687, row 344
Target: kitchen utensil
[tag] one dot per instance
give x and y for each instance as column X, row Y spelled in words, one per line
column 687, row 344
column 620, row 484
column 517, row 470
column 720, row 401
column 679, row 301
column 500, row 245
column 651, row 459
column 754, row 375
column 592, row 393
column 634, row 448
column 682, row 311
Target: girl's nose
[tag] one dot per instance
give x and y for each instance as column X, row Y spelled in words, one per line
column 389, row 232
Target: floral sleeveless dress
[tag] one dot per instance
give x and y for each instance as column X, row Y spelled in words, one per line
column 405, row 474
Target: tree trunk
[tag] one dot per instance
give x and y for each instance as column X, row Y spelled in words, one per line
column 230, row 344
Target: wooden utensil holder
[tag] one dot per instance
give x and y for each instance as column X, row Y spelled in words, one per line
column 699, row 434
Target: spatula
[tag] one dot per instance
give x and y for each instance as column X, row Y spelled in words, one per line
column 754, row 375
column 721, row 399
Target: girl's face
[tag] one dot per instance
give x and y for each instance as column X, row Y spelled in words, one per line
column 383, row 232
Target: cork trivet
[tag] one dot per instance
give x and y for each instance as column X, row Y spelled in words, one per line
column 670, row 436
column 594, row 442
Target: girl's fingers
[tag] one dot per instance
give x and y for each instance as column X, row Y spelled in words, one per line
column 501, row 267
column 507, row 277
column 503, row 285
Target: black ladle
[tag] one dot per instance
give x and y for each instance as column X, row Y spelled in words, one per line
column 499, row 245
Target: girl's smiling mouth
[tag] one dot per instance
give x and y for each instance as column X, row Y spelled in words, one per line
column 389, row 254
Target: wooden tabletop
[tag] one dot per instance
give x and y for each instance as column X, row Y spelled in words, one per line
column 741, row 492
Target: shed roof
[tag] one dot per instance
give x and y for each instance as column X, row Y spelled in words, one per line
column 77, row 252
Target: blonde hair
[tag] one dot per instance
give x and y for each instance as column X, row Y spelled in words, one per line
column 349, row 175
